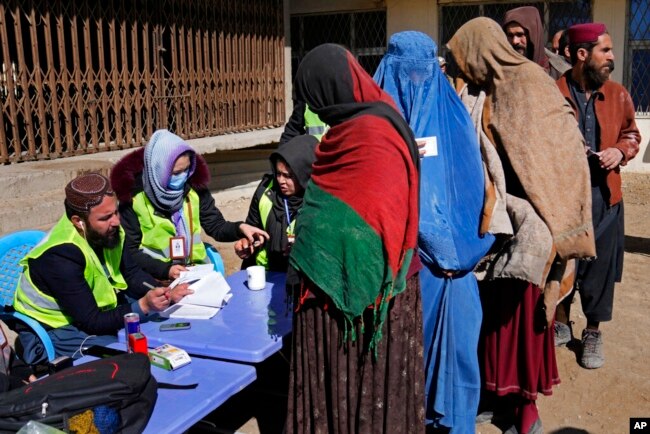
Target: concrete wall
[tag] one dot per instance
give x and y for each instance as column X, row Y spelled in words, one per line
column 419, row 15
column 642, row 161
column 612, row 13
column 319, row 6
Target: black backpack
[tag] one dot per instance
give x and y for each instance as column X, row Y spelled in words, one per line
column 117, row 394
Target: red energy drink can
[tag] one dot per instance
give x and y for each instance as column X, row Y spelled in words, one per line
column 138, row 343
column 131, row 325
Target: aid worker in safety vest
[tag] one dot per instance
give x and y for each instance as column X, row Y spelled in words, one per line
column 303, row 121
column 276, row 203
column 79, row 282
column 165, row 203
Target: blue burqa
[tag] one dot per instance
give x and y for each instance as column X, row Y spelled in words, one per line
column 451, row 202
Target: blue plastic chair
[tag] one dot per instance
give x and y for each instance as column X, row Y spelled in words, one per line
column 215, row 258
column 13, row 247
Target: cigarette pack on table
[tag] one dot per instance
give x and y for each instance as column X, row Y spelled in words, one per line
column 169, row 357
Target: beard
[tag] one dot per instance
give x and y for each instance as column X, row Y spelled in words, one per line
column 98, row 240
column 596, row 76
column 521, row 49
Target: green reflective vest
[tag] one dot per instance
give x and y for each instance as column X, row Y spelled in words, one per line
column 29, row 300
column 265, row 206
column 313, row 125
column 157, row 229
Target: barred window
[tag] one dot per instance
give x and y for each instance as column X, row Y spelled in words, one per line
column 637, row 56
column 363, row 33
column 556, row 15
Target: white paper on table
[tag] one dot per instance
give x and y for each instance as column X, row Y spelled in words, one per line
column 211, row 293
column 193, row 274
column 190, row 311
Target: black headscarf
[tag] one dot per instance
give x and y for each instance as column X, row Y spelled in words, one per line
column 337, row 97
column 298, row 154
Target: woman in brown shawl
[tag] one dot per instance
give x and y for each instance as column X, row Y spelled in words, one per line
column 357, row 363
column 532, row 150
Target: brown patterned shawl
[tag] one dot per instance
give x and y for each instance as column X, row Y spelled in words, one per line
column 534, row 131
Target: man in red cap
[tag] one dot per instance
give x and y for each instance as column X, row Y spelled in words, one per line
column 605, row 115
column 523, row 27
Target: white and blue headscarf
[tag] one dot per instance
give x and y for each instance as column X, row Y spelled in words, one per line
column 160, row 155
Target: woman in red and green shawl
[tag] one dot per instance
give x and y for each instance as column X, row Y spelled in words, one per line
column 357, row 362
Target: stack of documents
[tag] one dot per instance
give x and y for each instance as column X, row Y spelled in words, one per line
column 211, row 293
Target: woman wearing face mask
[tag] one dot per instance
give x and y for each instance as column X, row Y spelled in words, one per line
column 165, row 203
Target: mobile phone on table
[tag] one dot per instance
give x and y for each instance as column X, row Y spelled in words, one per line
column 175, row 326
column 102, row 352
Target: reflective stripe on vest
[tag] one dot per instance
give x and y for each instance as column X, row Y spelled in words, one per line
column 265, row 206
column 29, row 300
column 157, row 229
column 313, row 125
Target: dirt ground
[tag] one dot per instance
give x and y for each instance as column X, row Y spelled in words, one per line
column 587, row 401
column 603, row 400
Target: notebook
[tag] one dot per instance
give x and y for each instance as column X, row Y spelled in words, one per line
column 211, row 293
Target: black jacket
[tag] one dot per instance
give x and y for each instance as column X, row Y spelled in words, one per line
column 66, row 263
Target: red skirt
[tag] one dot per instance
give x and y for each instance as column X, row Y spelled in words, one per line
column 516, row 350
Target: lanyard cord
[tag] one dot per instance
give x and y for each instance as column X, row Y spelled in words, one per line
column 191, row 234
column 286, row 211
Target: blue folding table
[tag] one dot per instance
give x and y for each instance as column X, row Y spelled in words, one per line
column 248, row 329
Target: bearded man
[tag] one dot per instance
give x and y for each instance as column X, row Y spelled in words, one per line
column 79, row 282
column 605, row 115
column 524, row 30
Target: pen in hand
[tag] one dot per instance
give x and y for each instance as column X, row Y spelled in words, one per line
column 150, row 286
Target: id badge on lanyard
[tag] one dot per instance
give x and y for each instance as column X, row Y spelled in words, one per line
column 177, row 248
column 177, row 245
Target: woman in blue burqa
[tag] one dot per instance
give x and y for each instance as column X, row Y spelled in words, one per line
column 452, row 192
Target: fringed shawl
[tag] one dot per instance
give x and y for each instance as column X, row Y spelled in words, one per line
column 358, row 225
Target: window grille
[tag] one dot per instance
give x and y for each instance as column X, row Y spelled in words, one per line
column 637, row 55
column 556, row 15
column 363, row 33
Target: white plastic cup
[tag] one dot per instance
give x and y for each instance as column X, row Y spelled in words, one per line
column 256, row 277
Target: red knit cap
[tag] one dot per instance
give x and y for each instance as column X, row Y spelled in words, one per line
column 585, row 33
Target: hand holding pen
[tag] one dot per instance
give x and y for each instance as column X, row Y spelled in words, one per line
column 609, row 158
column 170, row 295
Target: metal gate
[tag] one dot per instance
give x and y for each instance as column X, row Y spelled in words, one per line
column 83, row 76
column 362, row 32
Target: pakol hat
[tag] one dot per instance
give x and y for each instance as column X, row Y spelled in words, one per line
column 586, row 33
column 87, row 191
